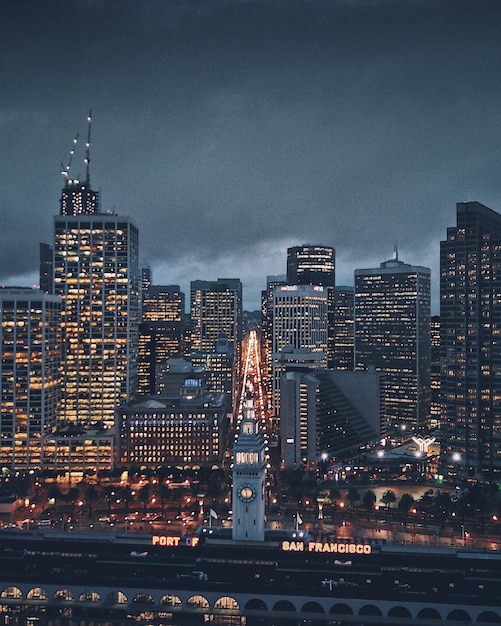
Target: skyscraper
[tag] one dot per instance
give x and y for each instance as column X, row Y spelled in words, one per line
column 316, row 265
column 163, row 331
column 30, row 374
column 299, row 321
column 470, row 346
column 96, row 275
column 392, row 334
column 344, row 305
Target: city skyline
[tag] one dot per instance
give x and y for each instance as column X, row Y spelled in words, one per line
column 231, row 131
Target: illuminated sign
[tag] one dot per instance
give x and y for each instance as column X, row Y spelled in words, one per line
column 334, row 547
column 163, row 540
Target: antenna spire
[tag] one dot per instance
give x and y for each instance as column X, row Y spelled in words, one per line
column 87, row 151
column 65, row 169
column 395, row 252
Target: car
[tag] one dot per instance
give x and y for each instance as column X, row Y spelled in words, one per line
column 137, row 554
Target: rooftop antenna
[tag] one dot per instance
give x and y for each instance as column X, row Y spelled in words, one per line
column 65, row 169
column 395, row 252
column 87, row 151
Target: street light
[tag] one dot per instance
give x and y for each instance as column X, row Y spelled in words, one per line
column 320, row 502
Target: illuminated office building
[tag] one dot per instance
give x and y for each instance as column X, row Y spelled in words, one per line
column 299, row 321
column 30, row 374
column 436, row 397
column 267, row 327
column 96, row 275
column 189, row 428
column 470, row 319
column 344, row 309
column 216, row 309
column 392, row 334
column 316, row 265
column 219, row 366
column 46, row 259
column 163, row 332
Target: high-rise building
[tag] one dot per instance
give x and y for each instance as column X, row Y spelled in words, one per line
column 216, row 309
column 392, row 334
column 96, row 275
column 316, row 265
column 344, row 310
column 46, row 268
column 163, row 332
column 436, row 396
column 30, row 374
column 470, row 320
column 299, row 321
column 219, row 366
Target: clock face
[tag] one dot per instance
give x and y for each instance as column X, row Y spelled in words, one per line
column 246, row 493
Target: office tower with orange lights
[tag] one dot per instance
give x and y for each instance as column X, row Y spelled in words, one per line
column 96, row 275
column 30, row 374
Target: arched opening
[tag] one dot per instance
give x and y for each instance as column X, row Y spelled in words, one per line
column 256, row 605
column 226, row 602
column 37, row 593
column 63, row 595
column 370, row 609
column 458, row 615
column 312, row 607
column 116, row 597
column 284, row 605
column 489, row 616
column 428, row 613
column 198, row 602
column 170, row 600
column 341, row 609
column 90, row 596
column 143, row 598
column 13, row 593
column 399, row 611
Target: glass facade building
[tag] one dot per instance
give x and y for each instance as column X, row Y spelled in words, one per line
column 470, row 341
column 96, row 275
column 30, row 374
column 392, row 334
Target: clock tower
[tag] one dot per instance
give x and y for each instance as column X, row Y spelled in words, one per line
column 248, row 478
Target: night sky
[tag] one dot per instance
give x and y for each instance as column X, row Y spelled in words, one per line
column 230, row 130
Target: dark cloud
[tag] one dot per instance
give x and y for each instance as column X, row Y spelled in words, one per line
column 230, row 130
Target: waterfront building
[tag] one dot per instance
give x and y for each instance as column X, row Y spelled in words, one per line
column 470, row 305
column 392, row 334
column 249, row 471
column 30, row 374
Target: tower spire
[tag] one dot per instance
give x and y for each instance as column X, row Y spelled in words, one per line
column 87, row 151
column 395, row 251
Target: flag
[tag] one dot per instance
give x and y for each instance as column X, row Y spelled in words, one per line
column 299, row 519
column 213, row 513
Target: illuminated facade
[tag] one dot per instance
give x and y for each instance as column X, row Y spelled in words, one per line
column 163, row 332
column 248, row 478
column 299, row 317
column 436, row 400
column 392, row 334
column 188, row 430
column 344, row 310
column 470, row 346
column 219, row 367
column 96, row 275
column 316, row 265
column 78, row 198
column 30, row 375
column 216, row 308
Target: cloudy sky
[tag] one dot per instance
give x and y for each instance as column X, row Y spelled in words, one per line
column 230, row 130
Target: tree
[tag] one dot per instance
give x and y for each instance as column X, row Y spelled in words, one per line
column 388, row 497
column 90, row 496
column 405, row 504
column 144, row 496
column 353, row 496
column 368, row 501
